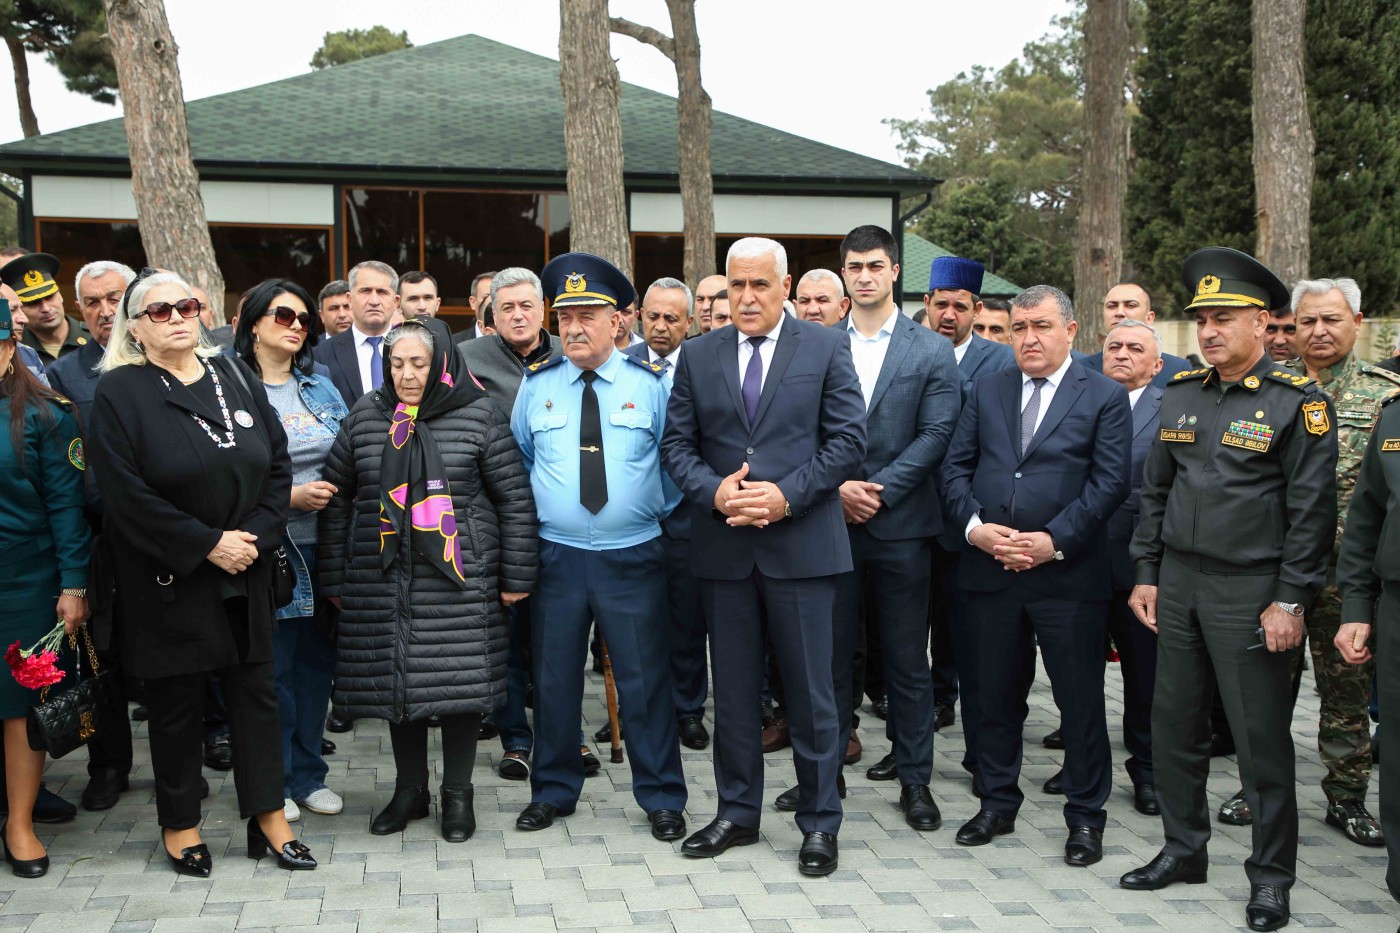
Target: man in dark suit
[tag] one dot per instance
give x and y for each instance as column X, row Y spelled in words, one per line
column 1038, row 464
column 355, row 357
column 1131, row 302
column 765, row 422
column 911, row 390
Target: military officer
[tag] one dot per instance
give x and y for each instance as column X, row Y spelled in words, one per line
column 1238, row 511
column 589, row 425
column 50, row 332
column 1368, row 573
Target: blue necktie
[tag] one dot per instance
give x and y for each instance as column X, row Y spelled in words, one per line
column 753, row 380
column 376, row 362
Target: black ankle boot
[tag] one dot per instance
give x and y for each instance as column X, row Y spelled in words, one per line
column 458, row 817
column 408, row 803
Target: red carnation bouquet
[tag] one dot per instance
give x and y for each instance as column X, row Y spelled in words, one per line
column 37, row 666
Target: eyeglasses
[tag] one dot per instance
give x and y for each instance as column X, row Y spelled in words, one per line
column 287, row 317
column 160, row 311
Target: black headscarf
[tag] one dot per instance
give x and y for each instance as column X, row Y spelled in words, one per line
column 414, row 497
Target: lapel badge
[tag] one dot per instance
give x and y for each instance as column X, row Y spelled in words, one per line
column 243, row 418
column 1251, row 382
column 1181, row 422
column 1191, row 420
column 548, row 404
column 627, row 405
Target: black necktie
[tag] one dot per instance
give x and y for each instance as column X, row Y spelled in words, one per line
column 592, row 475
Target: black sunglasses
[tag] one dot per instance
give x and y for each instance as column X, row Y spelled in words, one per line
column 160, row 311
column 286, row 317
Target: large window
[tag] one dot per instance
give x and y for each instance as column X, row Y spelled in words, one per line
column 454, row 234
column 655, row 255
column 246, row 254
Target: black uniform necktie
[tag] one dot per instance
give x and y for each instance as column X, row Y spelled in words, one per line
column 592, row 474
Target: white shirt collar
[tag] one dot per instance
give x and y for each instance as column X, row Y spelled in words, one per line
column 361, row 336
column 1135, row 394
column 1056, row 377
column 771, row 335
column 886, row 329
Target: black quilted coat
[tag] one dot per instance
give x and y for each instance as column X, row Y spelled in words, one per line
column 410, row 643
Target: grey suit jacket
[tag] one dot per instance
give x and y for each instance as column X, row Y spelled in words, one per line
column 497, row 368
column 983, row 356
column 1123, row 522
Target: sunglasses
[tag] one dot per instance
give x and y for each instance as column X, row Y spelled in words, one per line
column 287, row 317
column 160, row 311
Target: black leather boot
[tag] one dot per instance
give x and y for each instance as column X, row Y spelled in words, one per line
column 458, row 817
column 408, row 803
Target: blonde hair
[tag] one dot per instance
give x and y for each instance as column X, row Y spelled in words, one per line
column 122, row 349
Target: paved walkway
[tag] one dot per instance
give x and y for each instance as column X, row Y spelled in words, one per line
column 601, row 869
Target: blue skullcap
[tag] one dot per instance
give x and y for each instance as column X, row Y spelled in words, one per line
column 957, row 273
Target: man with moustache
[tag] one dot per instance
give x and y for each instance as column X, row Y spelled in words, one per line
column 334, row 304
column 51, row 333
column 1129, row 301
column 355, row 357
column 705, row 292
column 821, row 297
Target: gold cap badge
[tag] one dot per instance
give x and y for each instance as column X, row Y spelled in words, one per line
column 574, row 284
column 1208, row 285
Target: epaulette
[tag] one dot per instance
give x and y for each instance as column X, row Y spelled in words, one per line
column 1187, row 374
column 1292, row 379
column 1386, row 401
column 656, row 369
column 534, row 369
column 62, row 401
column 1372, row 370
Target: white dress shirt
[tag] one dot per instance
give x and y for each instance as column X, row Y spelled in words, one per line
column 672, row 358
column 1136, row 394
column 765, row 353
column 869, row 353
column 365, row 354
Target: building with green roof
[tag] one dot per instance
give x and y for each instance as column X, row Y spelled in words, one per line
column 919, row 255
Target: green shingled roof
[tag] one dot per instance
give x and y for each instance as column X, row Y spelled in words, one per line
column 919, row 255
column 463, row 107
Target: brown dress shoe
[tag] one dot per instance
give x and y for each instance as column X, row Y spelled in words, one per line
column 853, row 748
column 775, row 735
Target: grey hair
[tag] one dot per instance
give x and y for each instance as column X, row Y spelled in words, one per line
column 102, row 267
column 408, row 330
column 666, row 283
column 1351, row 292
column 817, row 275
column 515, row 275
column 380, row 267
column 1131, row 322
column 756, row 247
column 1038, row 293
column 122, row 349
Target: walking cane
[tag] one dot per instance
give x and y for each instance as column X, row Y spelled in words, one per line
column 610, row 691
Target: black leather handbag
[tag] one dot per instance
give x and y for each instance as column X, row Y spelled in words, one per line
column 284, row 578
column 60, row 723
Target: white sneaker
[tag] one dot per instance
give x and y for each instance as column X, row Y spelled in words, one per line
column 290, row 810
column 323, row 800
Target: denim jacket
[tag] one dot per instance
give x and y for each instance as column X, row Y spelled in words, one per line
column 324, row 401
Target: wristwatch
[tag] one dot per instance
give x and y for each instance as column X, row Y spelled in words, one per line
column 1293, row 609
column 78, row 591
column 1059, row 554
column 787, row 509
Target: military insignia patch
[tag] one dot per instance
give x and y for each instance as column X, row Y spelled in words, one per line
column 1315, row 415
column 1177, row 437
column 1181, row 422
column 1251, row 382
column 575, row 283
column 1208, row 285
column 1248, row 435
column 1390, row 445
column 76, row 455
column 33, row 277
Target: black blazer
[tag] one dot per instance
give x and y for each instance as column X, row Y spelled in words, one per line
column 168, row 495
column 1124, row 521
column 983, row 356
column 1071, row 479
column 339, row 357
column 808, row 437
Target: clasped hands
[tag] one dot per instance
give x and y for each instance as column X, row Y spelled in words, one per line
column 235, row 552
column 749, row 502
column 1016, row 550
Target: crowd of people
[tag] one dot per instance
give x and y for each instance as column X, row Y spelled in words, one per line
column 799, row 497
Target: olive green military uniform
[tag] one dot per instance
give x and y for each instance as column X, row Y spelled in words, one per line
column 1357, row 390
column 1368, row 575
column 1238, row 510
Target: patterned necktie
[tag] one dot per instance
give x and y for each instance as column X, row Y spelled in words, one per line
column 592, row 472
column 1031, row 412
column 753, row 380
column 376, row 362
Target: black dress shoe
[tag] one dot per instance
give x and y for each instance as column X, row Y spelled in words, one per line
column 1084, row 846
column 1054, row 740
column 604, row 735
column 103, row 790
column 666, row 825
column 23, row 867
column 327, row 747
column 591, row 764
column 881, row 707
column 1162, row 871
column 1221, row 745
column 1055, row 785
column 194, row 861
column 293, row 856
column 942, row 716
column 51, row 808
column 337, row 721
column 883, row 770
column 818, row 854
column 139, row 713
column 407, row 804
column 536, row 816
column 435, row 722
column 983, row 828
column 788, row 799
column 716, row 838
column 218, row 753
column 694, row 734
column 458, row 816
column 488, row 730
column 920, row 811
column 1267, row 908
column 1145, row 800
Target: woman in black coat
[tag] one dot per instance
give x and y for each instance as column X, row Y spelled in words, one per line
column 193, row 469
column 431, row 533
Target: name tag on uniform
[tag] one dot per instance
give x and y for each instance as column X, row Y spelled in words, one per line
column 1176, row 436
column 1248, row 435
column 1390, row 444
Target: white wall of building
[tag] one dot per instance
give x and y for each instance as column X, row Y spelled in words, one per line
column 247, row 202
column 779, row 215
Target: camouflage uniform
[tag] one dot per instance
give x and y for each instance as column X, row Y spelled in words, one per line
column 1344, row 732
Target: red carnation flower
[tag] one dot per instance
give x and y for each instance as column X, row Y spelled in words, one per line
column 13, row 656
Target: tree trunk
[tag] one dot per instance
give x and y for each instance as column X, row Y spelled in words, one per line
column 1098, row 253
column 593, row 133
column 29, row 123
column 169, row 207
column 1283, row 138
column 693, row 118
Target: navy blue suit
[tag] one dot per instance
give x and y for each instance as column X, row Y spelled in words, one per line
column 1171, row 365
column 690, row 681
column 1071, row 479
column 808, row 436
column 338, row 356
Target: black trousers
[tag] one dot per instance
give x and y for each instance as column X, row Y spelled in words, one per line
column 176, row 727
column 1206, row 623
column 895, row 573
column 946, row 604
column 1386, row 642
column 410, row 743
column 689, row 669
column 1071, row 637
column 1137, row 661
